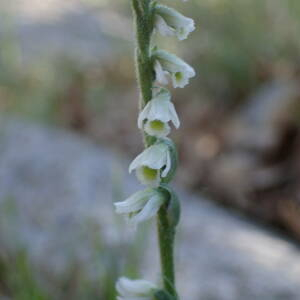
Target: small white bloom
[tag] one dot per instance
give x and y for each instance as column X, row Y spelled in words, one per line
column 169, row 64
column 158, row 112
column 169, row 22
column 149, row 163
column 140, row 206
column 129, row 289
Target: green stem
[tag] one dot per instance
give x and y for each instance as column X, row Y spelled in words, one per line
column 143, row 15
column 166, row 234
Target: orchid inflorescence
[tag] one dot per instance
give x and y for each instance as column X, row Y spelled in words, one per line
column 156, row 165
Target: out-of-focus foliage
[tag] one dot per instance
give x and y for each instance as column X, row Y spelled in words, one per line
column 240, row 44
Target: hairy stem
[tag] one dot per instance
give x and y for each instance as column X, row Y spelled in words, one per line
column 166, row 235
column 144, row 24
column 143, row 15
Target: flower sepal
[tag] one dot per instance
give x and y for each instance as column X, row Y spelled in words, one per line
column 173, row 159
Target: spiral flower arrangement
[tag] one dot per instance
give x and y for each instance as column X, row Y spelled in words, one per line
column 156, row 165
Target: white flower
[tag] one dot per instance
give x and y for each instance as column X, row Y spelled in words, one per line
column 167, row 64
column 157, row 113
column 135, row 289
column 169, row 22
column 149, row 163
column 141, row 206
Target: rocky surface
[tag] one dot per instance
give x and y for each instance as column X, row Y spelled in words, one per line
column 53, row 183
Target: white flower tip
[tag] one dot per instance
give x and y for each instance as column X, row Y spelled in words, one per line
column 129, row 289
column 130, row 169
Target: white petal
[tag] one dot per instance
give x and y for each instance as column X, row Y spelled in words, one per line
column 134, row 288
column 162, row 27
column 160, row 74
column 168, row 165
column 134, row 203
column 181, row 25
column 172, row 63
column 149, row 210
column 173, row 115
column 159, row 110
column 153, row 157
column 137, row 162
column 156, row 157
column 143, row 115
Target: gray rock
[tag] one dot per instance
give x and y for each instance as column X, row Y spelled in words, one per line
column 260, row 123
column 51, row 29
column 53, row 182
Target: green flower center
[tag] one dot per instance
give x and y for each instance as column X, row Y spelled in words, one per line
column 178, row 76
column 157, row 125
column 149, row 174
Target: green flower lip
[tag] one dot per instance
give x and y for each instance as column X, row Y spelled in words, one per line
column 157, row 125
column 150, row 174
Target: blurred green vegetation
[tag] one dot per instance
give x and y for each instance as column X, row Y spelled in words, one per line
column 238, row 46
column 242, row 44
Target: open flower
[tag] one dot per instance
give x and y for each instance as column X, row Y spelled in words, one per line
column 157, row 113
column 169, row 22
column 135, row 289
column 152, row 164
column 167, row 64
column 141, row 206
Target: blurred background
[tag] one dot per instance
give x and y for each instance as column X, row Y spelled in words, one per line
column 68, row 104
